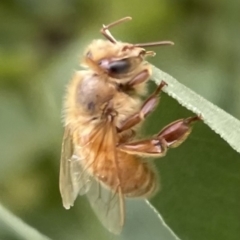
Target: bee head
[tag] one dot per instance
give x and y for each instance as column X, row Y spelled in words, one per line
column 115, row 59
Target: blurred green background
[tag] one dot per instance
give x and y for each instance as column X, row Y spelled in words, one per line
column 40, row 45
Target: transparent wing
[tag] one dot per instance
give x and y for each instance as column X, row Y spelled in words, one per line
column 108, row 204
column 67, row 190
column 73, row 179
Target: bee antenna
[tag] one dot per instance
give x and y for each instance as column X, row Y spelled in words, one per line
column 152, row 44
column 125, row 19
column 105, row 29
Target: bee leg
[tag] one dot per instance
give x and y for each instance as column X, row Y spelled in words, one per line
column 105, row 29
column 154, row 147
column 169, row 137
column 147, row 107
column 177, row 132
column 139, row 78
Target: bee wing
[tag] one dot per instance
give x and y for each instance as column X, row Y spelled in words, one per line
column 73, row 179
column 108, row 204
column 65, row 183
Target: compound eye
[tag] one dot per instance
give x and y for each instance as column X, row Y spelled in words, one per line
column 119, row 67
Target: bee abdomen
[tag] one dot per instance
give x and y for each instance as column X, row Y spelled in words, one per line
column 144, row 182
column 136, row 178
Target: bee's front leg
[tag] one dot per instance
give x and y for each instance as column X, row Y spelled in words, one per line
column 141, row 77
column 147, row 107
column 171, row 136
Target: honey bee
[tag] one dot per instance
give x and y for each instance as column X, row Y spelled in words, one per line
column 101, row 155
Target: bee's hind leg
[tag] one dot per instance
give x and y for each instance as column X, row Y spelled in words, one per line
column 171, row 136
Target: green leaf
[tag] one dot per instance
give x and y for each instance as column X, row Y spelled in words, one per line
column 14, row 228
column 144, row 222
column 199, row 198
column 218, row 120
